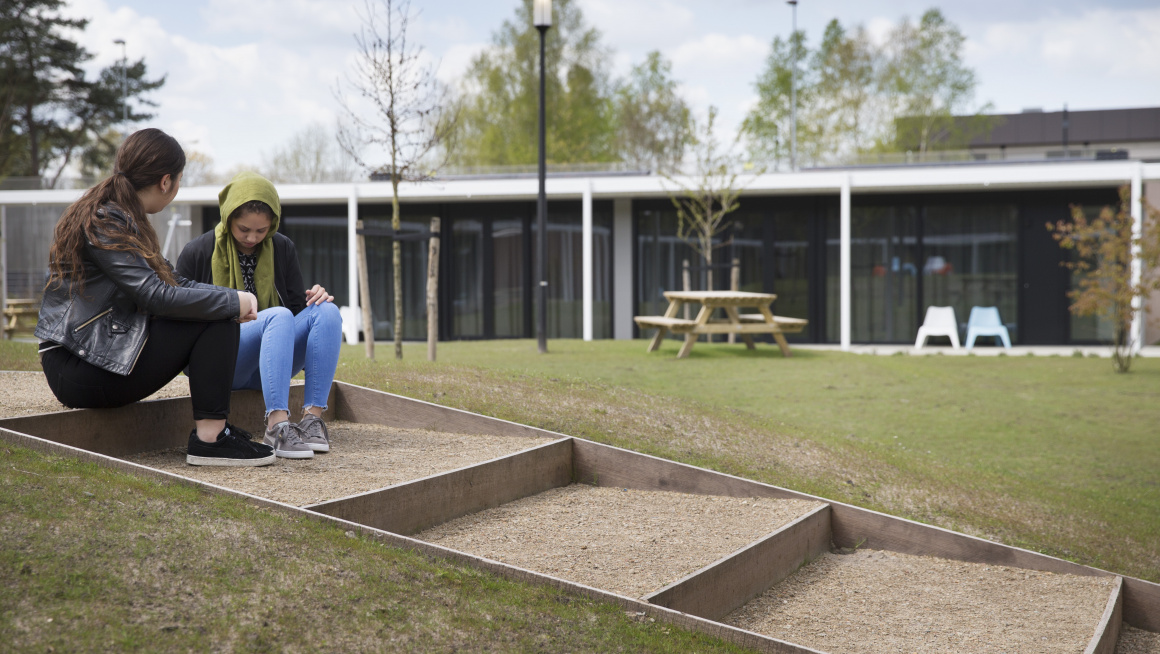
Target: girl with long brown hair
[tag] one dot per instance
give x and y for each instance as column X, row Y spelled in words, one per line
column 117, row 323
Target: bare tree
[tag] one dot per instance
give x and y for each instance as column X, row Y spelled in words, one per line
column 396, row 111
column 311, row 156
column 708, row 194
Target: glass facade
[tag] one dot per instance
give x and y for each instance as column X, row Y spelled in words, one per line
column 909, row 252
column 970, row 258
column 564, row 269
column 770, row 239
column 908, row 256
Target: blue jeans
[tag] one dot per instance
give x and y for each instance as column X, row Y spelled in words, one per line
column 278, row 345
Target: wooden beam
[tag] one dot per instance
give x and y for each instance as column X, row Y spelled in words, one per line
column 1108, row 630
column 413, row 506
column 605, row 465
column 142, row 426
column 724, row 586
column 359, row 404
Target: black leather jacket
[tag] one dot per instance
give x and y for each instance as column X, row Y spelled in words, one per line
column 107, row 323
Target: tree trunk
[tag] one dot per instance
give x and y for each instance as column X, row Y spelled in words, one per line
column 365, row 292
column 397, row 267
column 433, row 290
column 734, row 285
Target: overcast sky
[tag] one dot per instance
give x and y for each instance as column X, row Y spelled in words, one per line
column 245, row 75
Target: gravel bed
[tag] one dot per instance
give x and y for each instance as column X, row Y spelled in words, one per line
column 1137, row 641
column 27, row 393
column 630, row 542
column 362, row 457
column 876, row 601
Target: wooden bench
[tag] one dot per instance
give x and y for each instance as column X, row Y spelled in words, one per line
column 20, row 315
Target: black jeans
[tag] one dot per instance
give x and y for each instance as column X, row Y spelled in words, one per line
column 208, row 349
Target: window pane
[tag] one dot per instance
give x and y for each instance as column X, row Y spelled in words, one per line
column 972, row 260
column 466, row 278
column 507, row 239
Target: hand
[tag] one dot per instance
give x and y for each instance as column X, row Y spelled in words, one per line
column 247, row 307
column 318, row 295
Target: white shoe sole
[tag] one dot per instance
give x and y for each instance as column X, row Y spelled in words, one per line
column 295, row 454
column 226, row 462
column 319, row 447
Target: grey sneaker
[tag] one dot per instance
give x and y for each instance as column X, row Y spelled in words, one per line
column 315, row 433
column 286, row 439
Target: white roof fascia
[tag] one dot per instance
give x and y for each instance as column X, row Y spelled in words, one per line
column 963, row 177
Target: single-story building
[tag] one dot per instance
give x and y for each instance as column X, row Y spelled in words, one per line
column 860, row 252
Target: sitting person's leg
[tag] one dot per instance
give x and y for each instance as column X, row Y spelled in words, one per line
column 207, row 348
column 317, row 341
column 265, row 355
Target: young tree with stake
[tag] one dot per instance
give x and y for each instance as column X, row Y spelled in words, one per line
column 394, row 107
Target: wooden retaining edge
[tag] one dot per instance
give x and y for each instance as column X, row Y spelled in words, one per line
column 413, row 506
column 725, row 585
column 851, row 526
column 367, row 405
column 598, row 463
column 143, row 426
column 742, row 637
column 1108, row 631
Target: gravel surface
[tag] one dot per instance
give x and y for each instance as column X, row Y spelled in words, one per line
column 875, row 601
column 630, row 542
column 362, row 458
column 1137, row 641
column 27, row 393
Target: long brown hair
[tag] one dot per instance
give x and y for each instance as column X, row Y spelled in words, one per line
column 143, row 160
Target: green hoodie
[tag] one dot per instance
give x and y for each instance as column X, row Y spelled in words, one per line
column 244, row 187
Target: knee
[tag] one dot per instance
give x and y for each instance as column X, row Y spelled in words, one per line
column 279, row 315
column 329, row 312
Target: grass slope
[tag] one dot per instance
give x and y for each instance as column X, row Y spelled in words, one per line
column 96, row 560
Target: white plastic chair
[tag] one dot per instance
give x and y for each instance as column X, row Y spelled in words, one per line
column 985, row 321
column 351, row 323
column 939, row 321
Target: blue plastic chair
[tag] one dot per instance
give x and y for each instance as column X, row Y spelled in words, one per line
column 984, row 321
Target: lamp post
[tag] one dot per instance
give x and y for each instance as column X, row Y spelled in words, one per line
column 542, row 19
column 124, row 81
column 793, row 90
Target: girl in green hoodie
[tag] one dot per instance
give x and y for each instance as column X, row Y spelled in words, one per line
column 296, row 328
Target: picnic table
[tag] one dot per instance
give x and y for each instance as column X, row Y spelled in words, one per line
column 743, row 324
column 20, row 314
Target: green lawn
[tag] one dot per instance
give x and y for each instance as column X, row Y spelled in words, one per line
column 1055, row 454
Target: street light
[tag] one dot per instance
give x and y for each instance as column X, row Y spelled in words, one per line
column 793, row 90
column 124, row 81
column 542, row 19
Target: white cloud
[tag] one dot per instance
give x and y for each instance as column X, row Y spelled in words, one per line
column 231, row 102
column 1096, row 59
column 1116, row 43
column 288, row 21
column 640, row 24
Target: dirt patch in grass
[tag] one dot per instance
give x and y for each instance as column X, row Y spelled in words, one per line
column 875, row 601
column 361, row 458
column 628, row 541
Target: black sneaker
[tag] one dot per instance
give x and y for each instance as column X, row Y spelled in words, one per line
column 238, row 431
column 246, row 436
column 228, row 450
